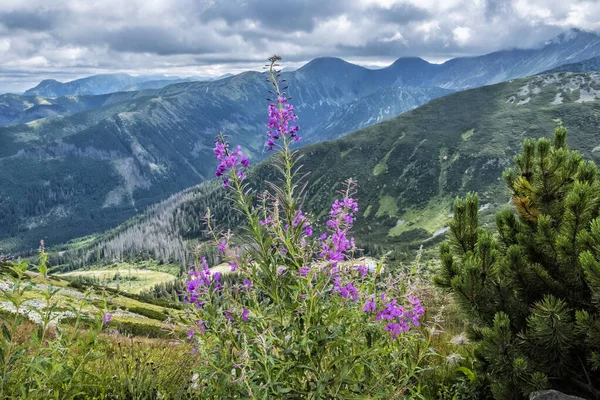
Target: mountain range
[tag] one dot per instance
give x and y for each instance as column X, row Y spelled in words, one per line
column 108, row 83
column 408, row 168
column 72, row 175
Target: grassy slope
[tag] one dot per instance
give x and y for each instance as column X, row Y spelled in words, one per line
column 410, row 168
column 130, row 315
column 132, row 280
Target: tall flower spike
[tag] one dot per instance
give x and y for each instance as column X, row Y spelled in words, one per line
column 229, row 160
column 281, row 113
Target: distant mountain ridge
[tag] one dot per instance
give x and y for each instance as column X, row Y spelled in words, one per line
column 16, row 109
column 108, row 83
column 589, row 65
column 91, row 85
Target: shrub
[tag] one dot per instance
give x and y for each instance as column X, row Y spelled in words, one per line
column 130, row 328
column 146, row 312
column 531, row 291
column 305, row 321
column 86, row 285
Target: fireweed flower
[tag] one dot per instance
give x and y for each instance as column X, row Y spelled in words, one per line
column 349, row 291
column 304, row 271
column 370, row 305
column 363, row 269
column 301, row 220
column 106, row 318
column 281, row 114
column 227, row 315
column 399, row 318
column 229, row 160
column 200, row 282
column 266, row 221
column 341, row 219
column 245, row 313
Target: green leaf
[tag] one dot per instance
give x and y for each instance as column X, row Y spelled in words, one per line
column 468, row 373
column 6, row 333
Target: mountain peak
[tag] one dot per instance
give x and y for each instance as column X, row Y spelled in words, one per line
column 327, row 63
column 48, row 81
column 569, row 36
column 410, row 61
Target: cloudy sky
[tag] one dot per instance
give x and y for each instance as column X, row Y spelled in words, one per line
column 67, row 39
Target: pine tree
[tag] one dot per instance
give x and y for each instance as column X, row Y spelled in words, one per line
column 532, row 289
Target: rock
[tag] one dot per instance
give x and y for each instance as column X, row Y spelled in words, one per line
column 552, row 395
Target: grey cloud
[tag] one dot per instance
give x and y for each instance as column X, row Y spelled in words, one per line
column 35, row 20
column 286, row 15
column 150, row 39
column 60, row 38
column 401, row 13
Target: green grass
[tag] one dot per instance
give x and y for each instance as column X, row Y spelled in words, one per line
column 132, row 280
column 387, row 206
column 465, row 136
column 432, row 217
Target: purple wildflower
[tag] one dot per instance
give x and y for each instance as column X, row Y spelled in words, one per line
column 363, row 269
column 396, row 329
column 339, row 244
column 267, row 221
column 245, row 313
column 304, row 271
column 247, row 283
column 308, row 231
column 201, row 326
column 200, row 281
column 190, row 334
column 349, row 291
column 370, row 305
column 233, row 266
column 299, row 219
column 280, row 116
column 222, row 246
column 227, row 315
column 106, row 318
column 229, row 160
column 417, row 310
column 398, row 317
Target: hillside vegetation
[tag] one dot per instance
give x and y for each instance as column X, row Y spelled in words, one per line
column 409, row 169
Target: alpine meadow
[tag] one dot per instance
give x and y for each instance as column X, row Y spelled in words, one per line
column 238, row 199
